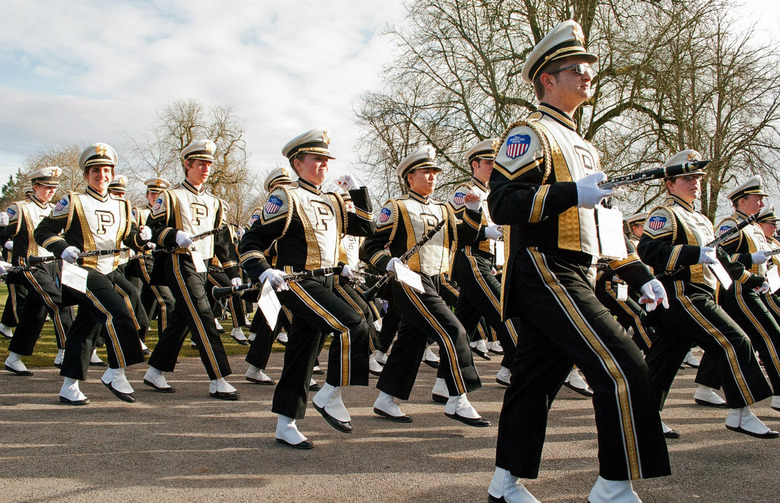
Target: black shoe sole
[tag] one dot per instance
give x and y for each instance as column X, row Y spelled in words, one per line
column 439, row 398
column 258, row 381
column 315, row 387
column 395, row 419
column 125, row 397
column 305, row 445
column 342, row 426
column 169, row 389
column 431, row 364
column 502, row 383
column 584, row 392
column 68, row 401
column 493, row 499
column 482, row 355
column 242, row 342
column 97, row 364
column 769, row 434
column 20, row 373
column 705, row 403
column 224, row 396
column 672, row 434
column 478, row 423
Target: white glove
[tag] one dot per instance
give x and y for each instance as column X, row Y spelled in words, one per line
column 146, row 233
column 276, row 278
column 347, row 182
column 589, row 194
column 494, row 232
column 475, row 204
column 70, row 254
column 763, row 288
column 2, row 267
column 9, row 245
column 394, row 262
column 347, row 272
column 183, row 239
column 759, row 257
column 4, row 218
column 653, row 293
column 235, row 281
column 707, row 255
column 150, row 246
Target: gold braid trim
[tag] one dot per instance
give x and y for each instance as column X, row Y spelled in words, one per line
column 530, row 121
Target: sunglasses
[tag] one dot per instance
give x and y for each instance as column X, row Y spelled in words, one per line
column 579, row 69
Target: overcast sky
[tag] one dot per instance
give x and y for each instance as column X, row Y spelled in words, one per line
column 91, row 70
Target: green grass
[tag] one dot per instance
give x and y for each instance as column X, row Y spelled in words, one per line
column 46, row 347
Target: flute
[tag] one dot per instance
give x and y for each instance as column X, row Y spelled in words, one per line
column 654, row 174
column 223, row 291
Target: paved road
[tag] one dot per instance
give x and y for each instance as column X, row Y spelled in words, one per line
column 188, row 447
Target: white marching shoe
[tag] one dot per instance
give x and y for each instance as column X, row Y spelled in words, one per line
column 328, row 402
column 14, row 364
column 238, row 335
column 58, row 358
column 257, row 376
column 282, row 338
column 220, row 388
column 430, row 358
column 495, row 347
column 156, row 380
column 704, row 395
column 71, row 394
column 576, row 383
column 251, row 337
column 691, row 360
column 287, row 433
column 95, row 360
column 613, row 491
column 6, row 331
column 219, row 326
column 374, row 368
column 775, row 403
column 503, row 376
column 743, row 421
column 385, row 406
column 459, row 408
column 440, row 393
column 506, row 488
column 380, row 357
column 480, row 348
column 116, row 381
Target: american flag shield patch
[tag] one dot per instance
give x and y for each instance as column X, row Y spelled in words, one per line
column 384, row 215
column 517, row 145
column 61, row 204
column 656, row 222
column 273, row 205
column 459, row 198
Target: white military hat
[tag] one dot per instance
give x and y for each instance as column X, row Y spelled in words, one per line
column 683, row 157
column 157, row 184
column 769, row 216
column 482, row 150
column 277, row 176
column 199, row 149
column 313, row 141
column 99, row 154
column 49, row 176
column 423, row 157
column 563, row 41
column 118, row 184
column 637, row 219
column 753, row 185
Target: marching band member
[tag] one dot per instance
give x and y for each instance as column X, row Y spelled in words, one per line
column 299, row 230
column 94, row 221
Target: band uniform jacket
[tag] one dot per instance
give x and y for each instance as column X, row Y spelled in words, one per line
column 90, row 221
column 404, row 221
column 742, row 244
column 301, row 227
column 23, row 218
column 533, row 188
column 185, row 208
column 458, row 204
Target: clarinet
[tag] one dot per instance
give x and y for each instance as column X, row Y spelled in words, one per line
column 654, row 174
column 219, row 292
column 369, row 294
column 196, row 237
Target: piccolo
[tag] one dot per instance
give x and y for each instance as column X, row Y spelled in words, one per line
column 371, row 292
column 654, row 174
column 219, row 292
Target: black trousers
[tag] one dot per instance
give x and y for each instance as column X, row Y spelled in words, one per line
column 422, row 315
column 192, row 313
column 564, row 324
column 132, row 296
column 217, row 277
column 480, row 297
column 628, row 313
column 101, row 310
column 390, row 322
column 316, row 312
column 693, row 316
column 157, row 300
column 260, row 347
column 44, row 297
column 348, row 294
column 13, row 305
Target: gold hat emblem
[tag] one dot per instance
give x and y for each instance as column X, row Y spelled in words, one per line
column 285, row 172
column 693, row 157
column 579, row 35
column 325, row 137
column 158, row 182
column 55, row 172
column 100, row 150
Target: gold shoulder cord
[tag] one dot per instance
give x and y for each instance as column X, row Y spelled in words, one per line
column 341, row 206
column 71, row 195
column 397, row 213
column 292, row 205
column 531, row 122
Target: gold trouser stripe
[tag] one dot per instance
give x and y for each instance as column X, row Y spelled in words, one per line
column 482, row 283
column 120, row 356
column 772, row 303
column 481, row 330
column 129, row 304
column 59, row 330
column 510, row 326
column 205, row 343
column 739, row 292
column 331, row 320
column 613, row 369
column 161, row 306
column 449, row 287
column 14, row 301
column 722, row 341
column 449, row 345
column 630, row 312
column 349, row 300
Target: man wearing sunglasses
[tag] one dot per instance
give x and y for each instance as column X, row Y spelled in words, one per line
column 544, row 188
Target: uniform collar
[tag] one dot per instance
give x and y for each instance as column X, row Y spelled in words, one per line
column 187, row 185
column 740, row 215
column 417, row 197
column 38, row 202
column 479, row 184
column 679, row 202
column 558, row 116
column 309, row 186
column 97, row 195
